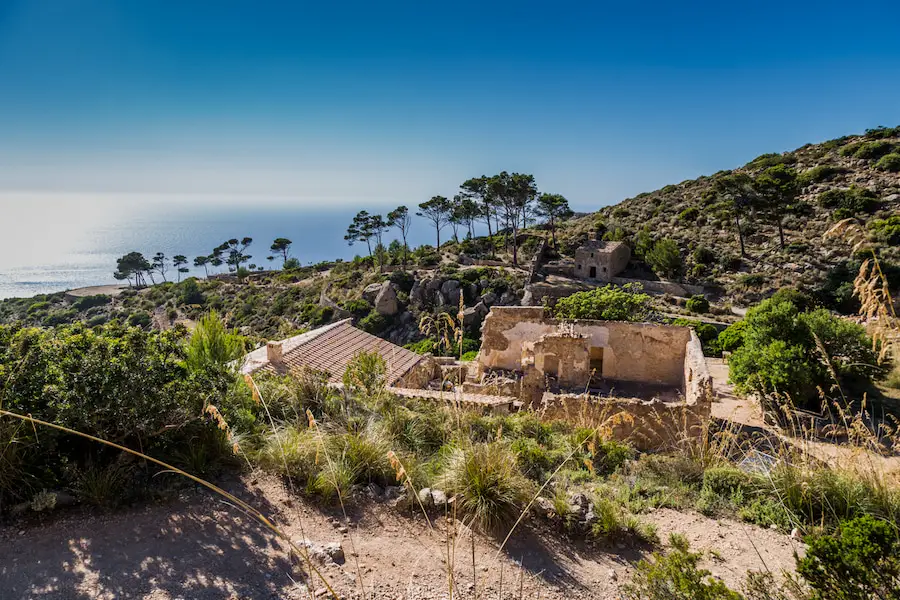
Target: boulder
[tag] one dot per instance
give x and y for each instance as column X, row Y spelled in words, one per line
column 426, row 498
column 508, row 298
column 450, row 290
column 438, row 498
column 386, row 301
column 371, row 292
column 489, row 298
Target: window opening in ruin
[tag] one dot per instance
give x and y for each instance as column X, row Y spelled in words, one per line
column 593, row 271
column 551, row 365
column 596, row 364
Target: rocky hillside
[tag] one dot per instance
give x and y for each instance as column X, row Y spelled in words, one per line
column 854, row 176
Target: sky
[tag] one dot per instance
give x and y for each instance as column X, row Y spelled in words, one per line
column 378, row 103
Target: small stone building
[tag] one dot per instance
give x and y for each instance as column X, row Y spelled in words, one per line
column 648, row 381
column 601, row 260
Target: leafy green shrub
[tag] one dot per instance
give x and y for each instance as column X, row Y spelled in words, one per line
column 782, row 351
column 358, row 308
column 698, row 304
column 102, row 486
column 86, row 302
column 189, row 292
column 488, row 485
column 608, row 303
column 676, row 576
column 140, row 319
column 726, row 480
column 664, row 257
column 703, row 256
column 882, row 132
column 212, row 344
column 751, row 280
column 848, row 202
column 818, row 174
column 859, row 563
column 404, row 280
column 889, row 162
column 374, row 323
column 612, row 523
column 873, row 150
column 470, row 355
column 689, row 215
column 732, row 337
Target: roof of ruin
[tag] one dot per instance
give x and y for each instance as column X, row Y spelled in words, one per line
column 330, row 349
column 601, row 246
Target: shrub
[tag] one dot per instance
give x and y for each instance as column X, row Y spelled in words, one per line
column 861, row 562
column 698, row 304
column 704, row 256
column 470, row 355
column 819, row 174
column 488, row 485
column 86, row 302
column 848, row 202
column 212, row 344
column 782, row 351
column 140, row 319
column 358, row 307
column 189, row 292
column 664, row 257
column 689, row 215
column 873, row 150
column 608, row 303
column 889, row 162
column 374, row 322
column 676, row 576
column 732, row 337
column 102, row 486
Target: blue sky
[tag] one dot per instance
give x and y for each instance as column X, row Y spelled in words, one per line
column 380, row 103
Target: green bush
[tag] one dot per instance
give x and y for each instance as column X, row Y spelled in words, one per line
column 87, row 302
column 861, row 562
column 698, row 304
column 732, row 337
column 358, row 308
column 873, row 150
column 140, row 319
column 848, row 202
column 818, row 174
column 374, row 323
column 470, row 355
column 886, row 230
column 704, row 256
column 689, row 215
column 664, row 257
column 608, row 303
column 189, row 292
column 782, row 351
column 889, row 162
column 676, row 576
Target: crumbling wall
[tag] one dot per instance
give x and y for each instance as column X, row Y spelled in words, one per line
column 635, row 352
column 645, row 424
column 698, row 386
column 420, row 375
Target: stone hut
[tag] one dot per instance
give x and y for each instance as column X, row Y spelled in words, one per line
column 601, row 260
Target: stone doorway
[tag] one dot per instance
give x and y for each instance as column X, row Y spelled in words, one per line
column 596, row 364
column 593, row 273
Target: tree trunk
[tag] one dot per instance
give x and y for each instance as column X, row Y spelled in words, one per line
column 515, row 244
column 781, row 233
column 737, row 221
column 438, row 247
column 553, row 231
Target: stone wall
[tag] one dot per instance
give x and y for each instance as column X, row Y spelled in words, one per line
column 645, row 424
column 633, row 352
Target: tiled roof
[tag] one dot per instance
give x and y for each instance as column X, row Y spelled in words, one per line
column 601, row 245
column 331, row 348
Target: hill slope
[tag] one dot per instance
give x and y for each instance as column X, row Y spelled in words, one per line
column 856, row 176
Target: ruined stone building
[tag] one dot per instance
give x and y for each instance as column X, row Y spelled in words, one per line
column 654, row 377
column 601, row 260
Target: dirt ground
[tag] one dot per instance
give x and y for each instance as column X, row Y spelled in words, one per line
column 199, row 547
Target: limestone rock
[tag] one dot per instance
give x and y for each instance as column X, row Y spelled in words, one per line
column 489, row 298
column 371, row 292
column 386, row 301
column 426, row 498
column 439, row 498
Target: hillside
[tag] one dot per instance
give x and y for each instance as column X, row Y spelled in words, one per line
column 854, row 176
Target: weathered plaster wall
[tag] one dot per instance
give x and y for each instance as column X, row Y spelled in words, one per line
column 637, row 352
column 646, row 424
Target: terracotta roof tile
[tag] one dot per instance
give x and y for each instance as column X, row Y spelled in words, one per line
column 333, row 349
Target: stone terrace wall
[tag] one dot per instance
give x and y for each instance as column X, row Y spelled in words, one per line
column 634, row 352
column 646, row 424
column 698, row 386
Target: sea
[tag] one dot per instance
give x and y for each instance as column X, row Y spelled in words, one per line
column 51, row 242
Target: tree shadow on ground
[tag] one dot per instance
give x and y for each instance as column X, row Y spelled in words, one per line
column 205, row 549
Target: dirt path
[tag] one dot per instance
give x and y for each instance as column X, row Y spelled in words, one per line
column 201, row 548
